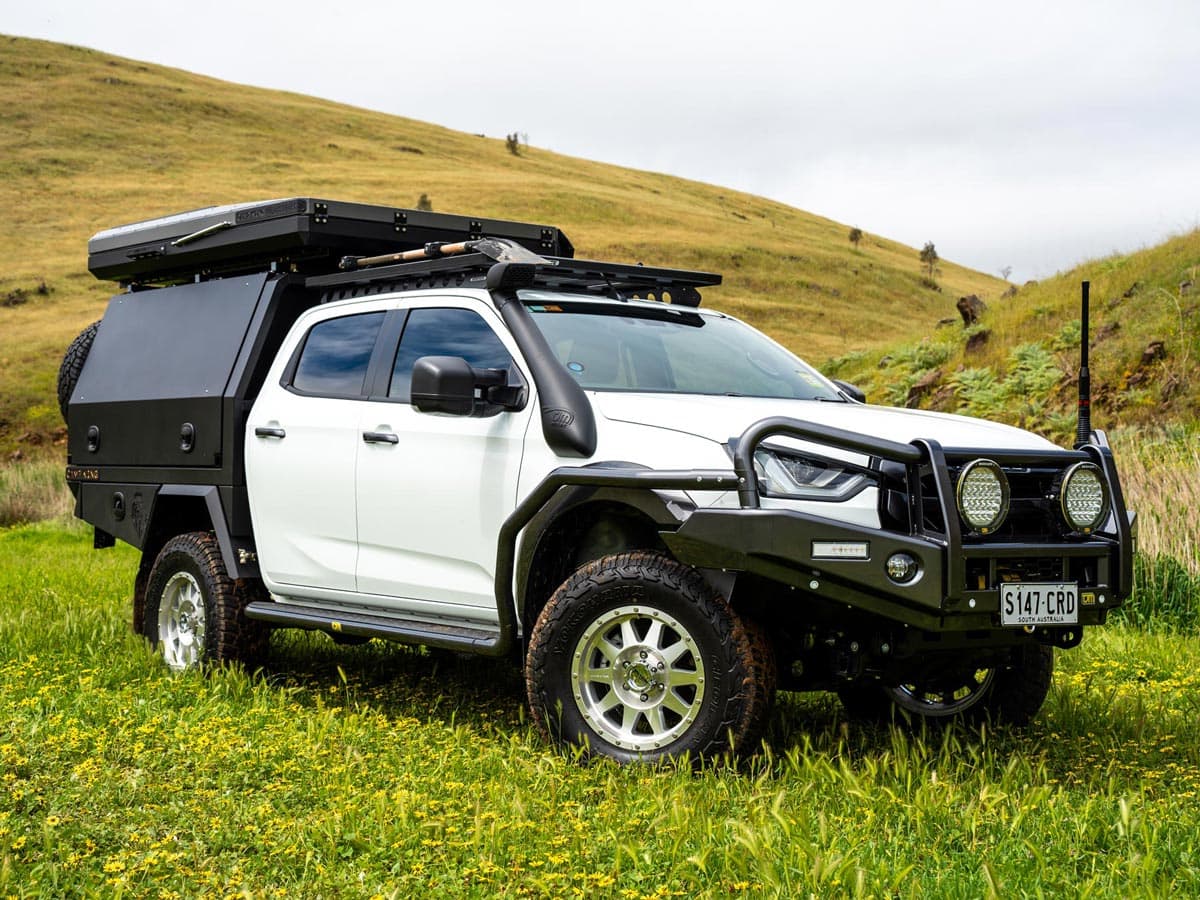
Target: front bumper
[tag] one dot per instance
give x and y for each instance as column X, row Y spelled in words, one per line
column 778, row 545
column 958, row 588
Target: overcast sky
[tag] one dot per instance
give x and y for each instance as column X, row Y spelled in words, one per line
column 1024, row 134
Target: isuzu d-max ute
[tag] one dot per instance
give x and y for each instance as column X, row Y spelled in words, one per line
column 448, row 431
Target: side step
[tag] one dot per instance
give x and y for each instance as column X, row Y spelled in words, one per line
column 359, row 624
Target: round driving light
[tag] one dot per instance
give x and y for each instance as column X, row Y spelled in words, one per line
column 982, row 495
column 901, row 568
column 1083, row 497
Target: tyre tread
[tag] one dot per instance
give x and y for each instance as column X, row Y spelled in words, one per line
column 72, row 365
column 738, row 715
column 230, row 637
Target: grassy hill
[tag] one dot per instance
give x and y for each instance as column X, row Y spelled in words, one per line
column 1020, row 362
column 88, row 141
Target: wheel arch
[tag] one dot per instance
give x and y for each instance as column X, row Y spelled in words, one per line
column 180, row 509
column 584, row 523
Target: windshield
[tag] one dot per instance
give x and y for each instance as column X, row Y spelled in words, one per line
column 611, row 347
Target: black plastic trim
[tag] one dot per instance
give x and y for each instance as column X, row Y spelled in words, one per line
column 665, row 513
column 578, row 476
column 211, row 496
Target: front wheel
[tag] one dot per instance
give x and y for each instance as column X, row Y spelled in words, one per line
column 636, row 657
column 957, row 689
column 194, row 611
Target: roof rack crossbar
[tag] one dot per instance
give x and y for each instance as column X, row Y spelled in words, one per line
column 588, row 276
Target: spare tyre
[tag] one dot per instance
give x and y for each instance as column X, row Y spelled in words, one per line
column 72, row 365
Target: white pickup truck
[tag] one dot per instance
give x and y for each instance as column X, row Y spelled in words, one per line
column 479, row 442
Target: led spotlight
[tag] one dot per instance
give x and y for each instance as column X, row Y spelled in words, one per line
column 1083, row 497
column 983, row 495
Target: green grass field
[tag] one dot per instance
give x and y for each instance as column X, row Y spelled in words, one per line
column 383, row 771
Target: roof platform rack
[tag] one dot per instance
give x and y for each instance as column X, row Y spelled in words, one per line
column 620, row 281
column 297, row 234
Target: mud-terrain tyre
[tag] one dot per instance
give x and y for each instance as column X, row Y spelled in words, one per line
column 1019, row 692
column 194, row 612
column 72, row 365
column 1010, row 694
column 761, row 686
column 636, row 658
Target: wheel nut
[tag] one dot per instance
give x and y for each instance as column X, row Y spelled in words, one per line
column 645, row 697
column 626, row 685
column 625, row 664
column 644, row 654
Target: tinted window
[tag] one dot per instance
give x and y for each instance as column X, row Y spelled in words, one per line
column 335, row 355
column 445, row 332
column 614, row 347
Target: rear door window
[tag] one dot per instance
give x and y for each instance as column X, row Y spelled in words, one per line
column 335, row 356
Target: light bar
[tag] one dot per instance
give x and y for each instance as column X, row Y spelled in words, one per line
column 841, row 550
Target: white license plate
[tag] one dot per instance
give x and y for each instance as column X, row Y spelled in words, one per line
column 1031, row 603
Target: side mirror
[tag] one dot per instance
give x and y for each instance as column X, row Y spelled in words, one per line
column 851, row 391
column 449, row 384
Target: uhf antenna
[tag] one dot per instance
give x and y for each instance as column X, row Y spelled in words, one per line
column 1083, row 432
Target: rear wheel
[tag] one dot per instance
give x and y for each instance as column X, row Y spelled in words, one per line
column 194, row 612
column 636, row 657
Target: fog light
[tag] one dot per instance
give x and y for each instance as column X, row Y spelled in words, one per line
column 902, row 568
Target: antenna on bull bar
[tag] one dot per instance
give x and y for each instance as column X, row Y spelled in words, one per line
column 1083, row 432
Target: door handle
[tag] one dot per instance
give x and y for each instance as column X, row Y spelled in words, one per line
column 267, row 432
column 380, row 437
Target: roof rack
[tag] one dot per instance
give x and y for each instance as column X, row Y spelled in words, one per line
column 620, row 281
column 296, row 234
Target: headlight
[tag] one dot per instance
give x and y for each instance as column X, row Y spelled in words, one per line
column 982, row 495
column 1083, row 497
column 785, row 474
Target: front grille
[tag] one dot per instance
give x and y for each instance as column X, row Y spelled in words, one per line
column 986, row 574
column 1033, row 513
column 1044, row 569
